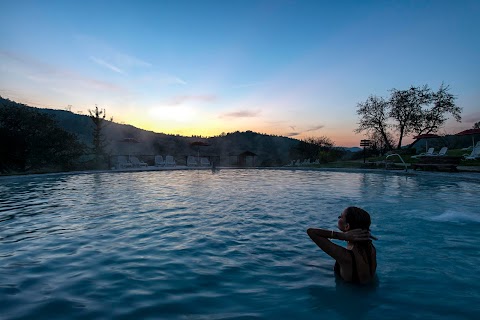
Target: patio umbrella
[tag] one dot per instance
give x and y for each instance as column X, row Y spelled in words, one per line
column 129, row 141
column 199, row 144
column 471, row 132
column 426, row 136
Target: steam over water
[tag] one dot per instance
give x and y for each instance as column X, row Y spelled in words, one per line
column 233, row 245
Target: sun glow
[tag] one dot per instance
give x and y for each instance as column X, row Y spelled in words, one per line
column 181, row 114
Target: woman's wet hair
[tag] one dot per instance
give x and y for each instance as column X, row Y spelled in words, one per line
column 357, row 218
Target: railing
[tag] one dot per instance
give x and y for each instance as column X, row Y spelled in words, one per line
column 395, row 154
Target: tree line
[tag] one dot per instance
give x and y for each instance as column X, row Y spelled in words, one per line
column 33, row 141
column 44, row 140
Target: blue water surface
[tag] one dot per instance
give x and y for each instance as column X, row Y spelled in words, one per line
column 233, row 245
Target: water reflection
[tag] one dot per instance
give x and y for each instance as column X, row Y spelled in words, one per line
column 236, row 233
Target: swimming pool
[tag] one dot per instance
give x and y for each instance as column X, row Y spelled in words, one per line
column 197, row 245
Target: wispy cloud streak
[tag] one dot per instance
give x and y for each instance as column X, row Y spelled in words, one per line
column 107, row 56
column 38, row 71
column 240, row 114
column 167, row 79
column 298, row 133
column 107, row 65
column 472, row 117
column 129, row 61
column 315, row 128
column 293, row 134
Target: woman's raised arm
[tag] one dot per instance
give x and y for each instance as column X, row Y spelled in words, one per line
column 321, row 236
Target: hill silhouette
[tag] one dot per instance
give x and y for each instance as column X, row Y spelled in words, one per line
column 270, row 150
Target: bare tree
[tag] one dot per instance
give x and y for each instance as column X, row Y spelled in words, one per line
column 431, row 120
column 373, row 118
column 416, row 110
column 321, row 148
column 406, row 109
column 321, row 142
column 378, row 144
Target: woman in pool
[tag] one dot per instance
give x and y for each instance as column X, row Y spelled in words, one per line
column 358, row 262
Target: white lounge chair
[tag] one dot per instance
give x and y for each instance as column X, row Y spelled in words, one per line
column 204, row 162
column 442, row 152
column 122, row 162
column 430, row 152
column 137, row 163
column 191, row 162
column 170, row 161
column 159, row 162
column 306, row 162
column 472, row 156
column 470, row 147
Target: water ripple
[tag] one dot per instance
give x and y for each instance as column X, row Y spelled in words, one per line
column 231, row 245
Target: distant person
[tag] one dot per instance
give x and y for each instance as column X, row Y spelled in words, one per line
column 358, row 262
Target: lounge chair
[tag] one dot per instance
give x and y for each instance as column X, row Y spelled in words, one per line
column 470, row 147
column 170, row 161
column 442, row 152
column 204, row 162
column 137, row 163
column 472, row 156
column 430, row 152
column 122, row 162
column 159, row 162
column 191, row 162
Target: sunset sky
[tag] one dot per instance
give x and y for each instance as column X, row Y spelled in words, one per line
column 292, row 68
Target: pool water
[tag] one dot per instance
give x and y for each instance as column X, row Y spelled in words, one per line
column 233, row 245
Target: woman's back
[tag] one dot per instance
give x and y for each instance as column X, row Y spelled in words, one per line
column 366, row 263
column 361, row 267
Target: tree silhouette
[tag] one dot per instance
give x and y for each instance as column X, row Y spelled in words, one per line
column 374, row 114
column 32, row 140
column 415, row 111
column 99, row 144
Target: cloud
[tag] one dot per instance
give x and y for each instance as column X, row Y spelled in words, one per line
column 107, row 56
column 107, row 65
column 179, row 100
column 314, row 128
column 129, row 61
column 297, row 133
column 41, row 72
column 241, row 114
column 293, row 134
column 167, row 80
column 27, row 62
column 472, row 117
